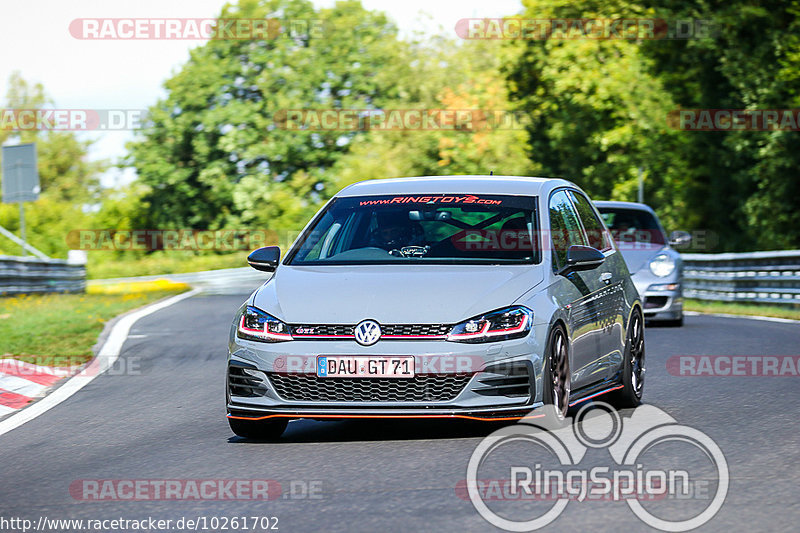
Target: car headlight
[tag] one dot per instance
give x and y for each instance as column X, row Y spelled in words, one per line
column 509, row 323
column 256, row 325
column 662, row 265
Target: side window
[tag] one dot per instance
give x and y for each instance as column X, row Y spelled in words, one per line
column 595, row 232
column 565, row 228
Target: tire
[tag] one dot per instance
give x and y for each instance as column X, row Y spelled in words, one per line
column 258, row 429
column 633, row 368
column 556, row 381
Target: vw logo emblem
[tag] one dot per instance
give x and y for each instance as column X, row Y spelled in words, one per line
column 368, row 332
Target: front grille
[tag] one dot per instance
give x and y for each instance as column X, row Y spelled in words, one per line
column 421, row 388
column 246, row 382
column 314, row 330
column 511, row 380
column 301, row 330
column 417, row 329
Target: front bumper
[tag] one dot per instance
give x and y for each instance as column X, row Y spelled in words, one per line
column 484, row 415
column 660, row 304
column 482, row 381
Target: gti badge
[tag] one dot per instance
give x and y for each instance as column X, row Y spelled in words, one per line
column 368, row 332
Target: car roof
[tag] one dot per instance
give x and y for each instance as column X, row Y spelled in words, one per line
column 624, row 205
column 472, row 184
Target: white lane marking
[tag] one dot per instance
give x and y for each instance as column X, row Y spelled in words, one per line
column 21, row 386
column 751, row 317
column 5, row 410
column 106, row 357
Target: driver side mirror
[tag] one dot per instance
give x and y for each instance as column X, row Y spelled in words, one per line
column 582, row 258
column 265, row 259
column 679, row 239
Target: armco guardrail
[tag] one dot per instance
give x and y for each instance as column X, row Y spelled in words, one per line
column 223, row 281
column 764, row 277
column 23, row 275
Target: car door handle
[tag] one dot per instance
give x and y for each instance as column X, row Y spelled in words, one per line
column 605, row 277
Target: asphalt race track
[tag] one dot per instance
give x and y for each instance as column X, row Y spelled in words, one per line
column 166, row 421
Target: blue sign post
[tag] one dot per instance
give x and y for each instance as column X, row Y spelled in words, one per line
column 20, row 180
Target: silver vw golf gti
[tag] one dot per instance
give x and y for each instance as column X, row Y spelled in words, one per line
column 475, row 297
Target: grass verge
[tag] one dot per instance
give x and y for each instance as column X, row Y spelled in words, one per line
column 105, row 265
column 702, row 306
column 60, row 329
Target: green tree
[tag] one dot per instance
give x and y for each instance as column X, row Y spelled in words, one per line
column 745, row 186
column 443, row 75
column 214, row 138
column 598, row 114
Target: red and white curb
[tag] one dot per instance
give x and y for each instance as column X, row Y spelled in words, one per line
column 106, row 357
column 21, row 383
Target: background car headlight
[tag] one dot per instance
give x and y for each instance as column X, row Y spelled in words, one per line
column 662, row 265
column 663, row 287
column 509, row 323
column 257, row 325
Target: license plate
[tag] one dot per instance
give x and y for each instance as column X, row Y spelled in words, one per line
column 364, row 366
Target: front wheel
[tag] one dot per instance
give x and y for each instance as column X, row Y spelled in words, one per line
column 258, row 429
column 557, row 381
column 633, row 368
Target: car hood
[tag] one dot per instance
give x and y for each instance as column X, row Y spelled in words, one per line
column 638, row 256
column 429, row 294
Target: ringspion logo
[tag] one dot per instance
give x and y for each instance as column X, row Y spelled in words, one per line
column 540, row 470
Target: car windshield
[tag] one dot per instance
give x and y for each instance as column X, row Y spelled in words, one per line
column 433, row 228
column 633, row 225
